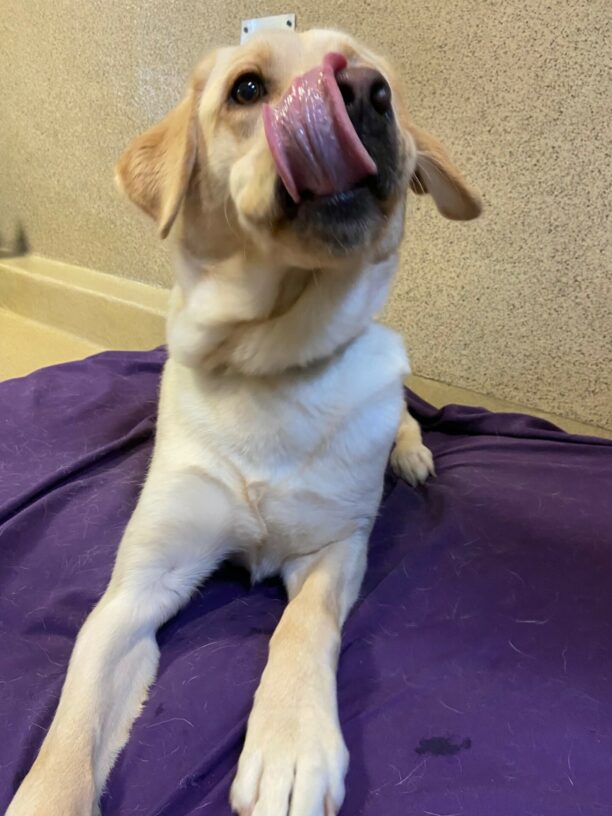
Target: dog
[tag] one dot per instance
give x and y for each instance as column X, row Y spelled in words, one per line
column 284, row 175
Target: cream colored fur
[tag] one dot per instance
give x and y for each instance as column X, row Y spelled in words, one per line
column 280, row 402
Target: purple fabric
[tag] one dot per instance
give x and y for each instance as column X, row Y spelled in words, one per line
column 476, row 669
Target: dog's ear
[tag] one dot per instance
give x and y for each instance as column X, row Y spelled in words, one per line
column 436, row 174
column 155, row 170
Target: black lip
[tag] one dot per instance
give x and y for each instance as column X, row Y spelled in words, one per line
column 369, row 187
column 347, row 221
column 342, row 222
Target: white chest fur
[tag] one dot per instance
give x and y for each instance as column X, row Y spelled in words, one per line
column 306, row 449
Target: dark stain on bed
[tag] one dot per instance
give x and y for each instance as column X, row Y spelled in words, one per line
column 442, row 746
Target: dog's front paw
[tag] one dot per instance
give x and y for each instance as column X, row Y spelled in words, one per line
column 294, row 756
column 412, row 461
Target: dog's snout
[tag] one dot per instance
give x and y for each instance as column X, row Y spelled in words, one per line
column 365, row 88
column 336, row 147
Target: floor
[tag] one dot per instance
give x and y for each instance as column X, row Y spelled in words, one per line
column 26, row 345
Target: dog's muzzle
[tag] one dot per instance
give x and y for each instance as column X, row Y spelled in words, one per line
column 317, row 132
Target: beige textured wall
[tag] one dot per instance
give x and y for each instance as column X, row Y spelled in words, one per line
column 517, row 304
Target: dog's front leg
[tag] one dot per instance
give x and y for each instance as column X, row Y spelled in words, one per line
column 294, row 754
column 179, row 532
column 410, row 458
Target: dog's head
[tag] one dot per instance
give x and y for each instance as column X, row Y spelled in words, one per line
column 297, row 145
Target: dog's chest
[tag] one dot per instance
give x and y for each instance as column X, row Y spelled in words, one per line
column 306, row 450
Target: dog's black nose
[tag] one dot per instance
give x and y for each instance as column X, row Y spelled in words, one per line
column 365, row 89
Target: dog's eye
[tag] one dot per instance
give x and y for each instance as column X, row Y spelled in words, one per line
column 248, row 89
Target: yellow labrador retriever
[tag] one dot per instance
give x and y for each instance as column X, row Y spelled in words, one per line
column 285, row 173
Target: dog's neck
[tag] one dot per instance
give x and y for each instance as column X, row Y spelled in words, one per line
column 248, row 315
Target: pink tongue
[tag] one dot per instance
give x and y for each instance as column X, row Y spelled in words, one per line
column 312, row 140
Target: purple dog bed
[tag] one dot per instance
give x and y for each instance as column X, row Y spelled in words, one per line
column 476, row 669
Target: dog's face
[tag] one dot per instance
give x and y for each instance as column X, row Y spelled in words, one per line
column 296, row 145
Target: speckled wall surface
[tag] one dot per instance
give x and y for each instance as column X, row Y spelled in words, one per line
column 517, row 304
